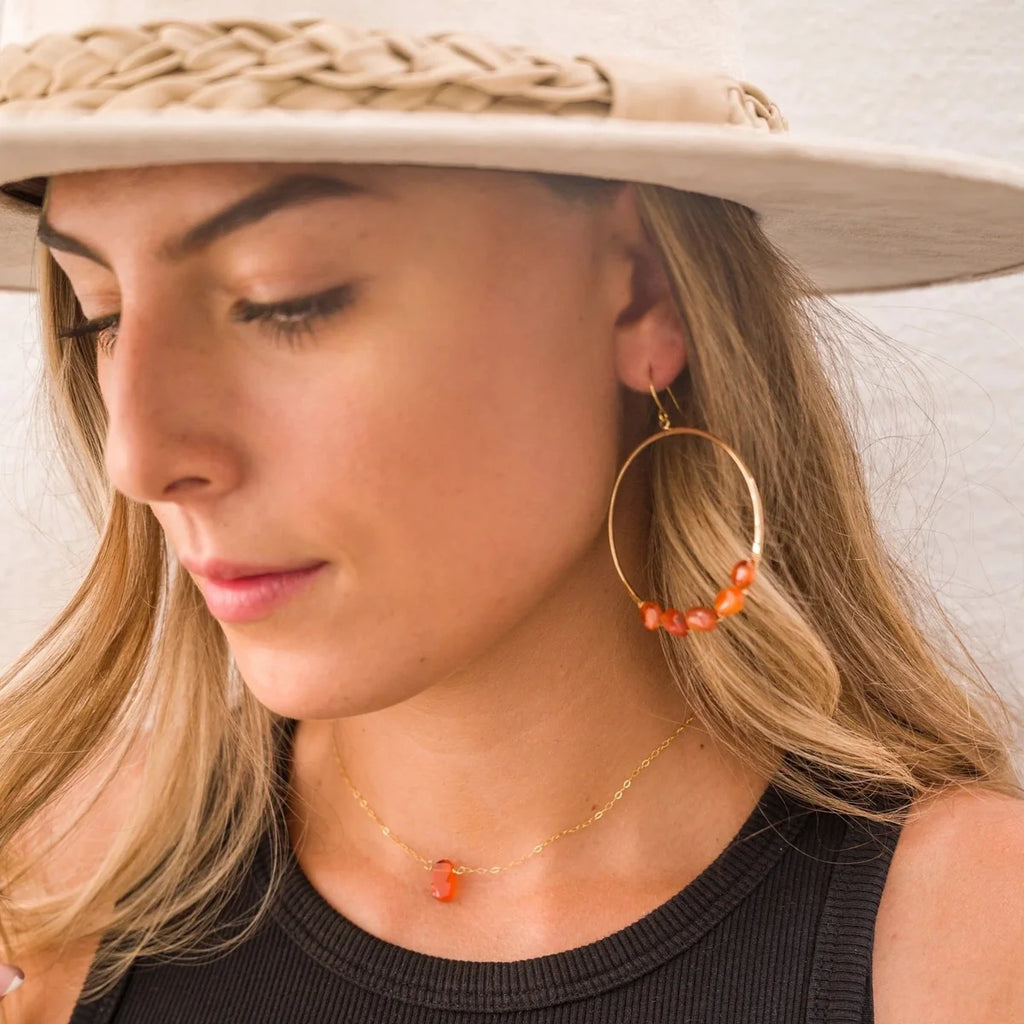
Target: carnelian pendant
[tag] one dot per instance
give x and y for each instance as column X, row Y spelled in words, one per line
column 442, row 881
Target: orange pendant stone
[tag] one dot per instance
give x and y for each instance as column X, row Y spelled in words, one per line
column 442, row 881
column 650, row 612
column 743, row 573
column 674, row 622
column 729, row 601
column 703, row 619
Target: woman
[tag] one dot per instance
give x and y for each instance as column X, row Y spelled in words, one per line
column 386, row 780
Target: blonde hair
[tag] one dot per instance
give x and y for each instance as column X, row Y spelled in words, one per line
column 831, row 662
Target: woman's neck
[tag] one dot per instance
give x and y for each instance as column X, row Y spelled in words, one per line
column 528, row 740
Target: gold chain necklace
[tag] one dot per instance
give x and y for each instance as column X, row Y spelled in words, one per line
column 443, row 872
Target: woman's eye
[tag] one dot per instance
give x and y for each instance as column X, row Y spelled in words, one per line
column 286, row 321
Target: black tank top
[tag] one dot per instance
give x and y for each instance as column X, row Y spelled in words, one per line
column 778, row 928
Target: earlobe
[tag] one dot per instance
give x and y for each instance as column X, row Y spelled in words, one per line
column 650, row 336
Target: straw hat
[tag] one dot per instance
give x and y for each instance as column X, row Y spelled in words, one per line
column 647, row 91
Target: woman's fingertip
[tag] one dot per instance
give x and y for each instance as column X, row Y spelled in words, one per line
column 11, row 978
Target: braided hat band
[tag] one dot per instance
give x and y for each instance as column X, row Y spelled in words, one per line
column 322, row 64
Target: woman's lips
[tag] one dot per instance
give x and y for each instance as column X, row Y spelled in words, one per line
column 254, row 597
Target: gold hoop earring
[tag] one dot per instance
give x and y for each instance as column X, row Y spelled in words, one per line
column 730, row 600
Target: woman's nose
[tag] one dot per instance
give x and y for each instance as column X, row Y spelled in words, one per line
column 166, row 391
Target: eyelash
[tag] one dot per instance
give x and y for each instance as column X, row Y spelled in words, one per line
column 303, row 311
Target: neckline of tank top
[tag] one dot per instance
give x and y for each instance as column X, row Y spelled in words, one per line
column 375, row 964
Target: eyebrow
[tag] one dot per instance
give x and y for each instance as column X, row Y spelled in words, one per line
column 278, row 194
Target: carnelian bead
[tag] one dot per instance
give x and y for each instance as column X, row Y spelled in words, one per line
column 442, row 881
column 729, row 601
column 650, row 612
column 674, row 623
column 743, row 573
column 701, row 618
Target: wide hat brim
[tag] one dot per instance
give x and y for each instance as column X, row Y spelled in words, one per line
column 856, row 216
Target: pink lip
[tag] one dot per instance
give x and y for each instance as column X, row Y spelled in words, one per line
column 220, row 569
column 254, row 597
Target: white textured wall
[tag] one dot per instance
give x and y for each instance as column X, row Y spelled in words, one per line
column 947, row 73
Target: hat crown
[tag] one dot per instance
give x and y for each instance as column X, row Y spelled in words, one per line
column 689, row 33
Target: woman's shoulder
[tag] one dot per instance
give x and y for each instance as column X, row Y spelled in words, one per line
column 950, row 926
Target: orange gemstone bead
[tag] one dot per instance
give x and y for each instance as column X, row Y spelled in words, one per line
column 729, row 601
column 442, row 881
column 650, row 612
column 743, row 573
column 702, row 619
column 674, row 622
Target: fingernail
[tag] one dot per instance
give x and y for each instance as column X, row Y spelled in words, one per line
column 11, row 978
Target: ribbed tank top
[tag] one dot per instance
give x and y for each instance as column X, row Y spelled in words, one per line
column 778, row 928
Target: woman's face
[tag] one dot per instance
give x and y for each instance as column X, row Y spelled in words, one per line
column 443, row 437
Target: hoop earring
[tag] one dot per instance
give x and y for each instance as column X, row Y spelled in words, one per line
column 730, row 600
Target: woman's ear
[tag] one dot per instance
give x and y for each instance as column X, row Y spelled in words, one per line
column 649, row 335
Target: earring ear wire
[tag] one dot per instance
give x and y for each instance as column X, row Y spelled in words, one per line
column 663, row 417
column 729, row 601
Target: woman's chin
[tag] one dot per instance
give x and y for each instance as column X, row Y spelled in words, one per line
column 298, row 695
